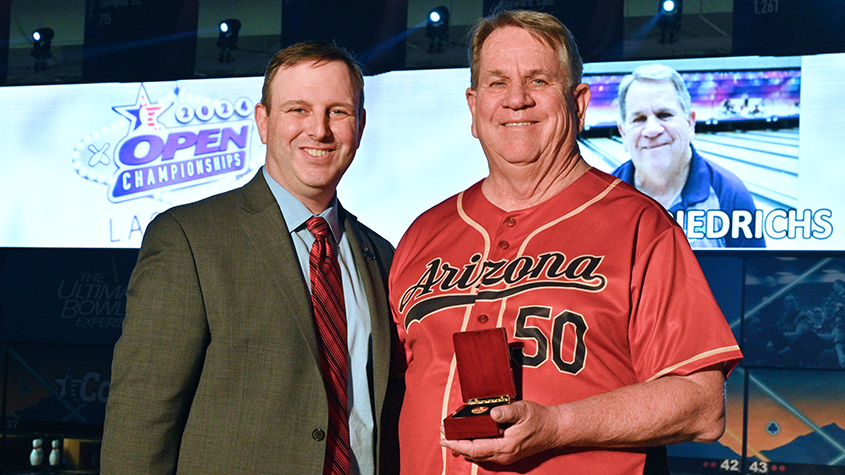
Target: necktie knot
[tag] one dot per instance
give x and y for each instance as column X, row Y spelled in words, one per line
column 317, row 226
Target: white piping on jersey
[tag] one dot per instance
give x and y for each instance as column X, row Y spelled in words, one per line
column 475, row 226
column 474, row 291
column 444, row 452
column 700, row 356
column 502, row 312
column 568, row 215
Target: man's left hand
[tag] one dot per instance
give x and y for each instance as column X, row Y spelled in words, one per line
column 533, row 429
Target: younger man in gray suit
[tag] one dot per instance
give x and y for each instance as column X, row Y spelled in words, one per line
column 218, row 368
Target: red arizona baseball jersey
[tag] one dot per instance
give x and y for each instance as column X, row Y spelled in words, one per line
column 597, row 288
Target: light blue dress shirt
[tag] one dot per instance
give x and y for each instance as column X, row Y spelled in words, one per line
column 361, row 422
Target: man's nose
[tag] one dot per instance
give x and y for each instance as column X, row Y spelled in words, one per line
column 652, row 127
column 319, row 127
column 518, row 97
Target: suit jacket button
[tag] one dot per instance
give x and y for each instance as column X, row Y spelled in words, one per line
column 318, row 435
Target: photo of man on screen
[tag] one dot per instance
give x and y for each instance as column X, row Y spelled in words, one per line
column 657, row 125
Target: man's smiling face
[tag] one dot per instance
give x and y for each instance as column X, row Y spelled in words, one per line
column 312, row 130
column 523, row 108
column 656, row 131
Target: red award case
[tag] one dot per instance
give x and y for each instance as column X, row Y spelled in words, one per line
column 486, row 378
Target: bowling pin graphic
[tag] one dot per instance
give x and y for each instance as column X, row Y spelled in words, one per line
column 36, row 457
column 56, row 453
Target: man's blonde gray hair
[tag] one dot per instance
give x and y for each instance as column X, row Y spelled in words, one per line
column 543, row 26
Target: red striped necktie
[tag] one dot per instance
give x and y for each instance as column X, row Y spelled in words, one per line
column 330, row 321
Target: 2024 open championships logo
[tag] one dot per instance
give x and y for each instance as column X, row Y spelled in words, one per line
column 179, row 141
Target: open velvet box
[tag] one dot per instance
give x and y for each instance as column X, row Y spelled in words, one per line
column 486, row 378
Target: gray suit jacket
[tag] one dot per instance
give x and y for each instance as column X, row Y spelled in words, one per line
column 217, row 369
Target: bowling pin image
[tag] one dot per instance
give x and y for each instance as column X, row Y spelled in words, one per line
column 56, row 453
column 36, row 457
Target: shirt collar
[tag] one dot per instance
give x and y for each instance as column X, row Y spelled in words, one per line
column 296, row 214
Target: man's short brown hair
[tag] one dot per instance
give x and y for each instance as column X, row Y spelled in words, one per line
column 318, row 52
column 542, row 26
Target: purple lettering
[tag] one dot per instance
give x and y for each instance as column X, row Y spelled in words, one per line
column 178, row 141
column 207, row 142
column 127, row 154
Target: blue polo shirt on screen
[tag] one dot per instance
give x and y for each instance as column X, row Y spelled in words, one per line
column 708, row 187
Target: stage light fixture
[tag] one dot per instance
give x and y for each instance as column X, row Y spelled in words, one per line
column 42, row 40
column 437, row 28
column 227, row 41
column 669, row 14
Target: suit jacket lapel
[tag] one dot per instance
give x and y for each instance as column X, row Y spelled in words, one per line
column 266, row 229
column 373, row 281
column 263, row 223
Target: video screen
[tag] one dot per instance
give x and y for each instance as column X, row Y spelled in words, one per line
column 796, row 422
column 794, row 312
column 793, row 425
column 740, row 137
column 785, row 411
column 91, row 165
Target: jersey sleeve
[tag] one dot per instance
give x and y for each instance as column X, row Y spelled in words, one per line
column 676, row 326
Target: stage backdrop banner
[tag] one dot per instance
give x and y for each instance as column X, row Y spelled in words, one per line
column 91, row 165
column 64, row 296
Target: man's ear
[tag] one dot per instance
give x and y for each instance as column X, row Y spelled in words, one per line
column 582, row 96
column 622, row 133
column 261, row 121
column 691, row 121
column 472, row 102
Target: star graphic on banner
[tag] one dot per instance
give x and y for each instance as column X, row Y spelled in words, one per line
column 143, row 112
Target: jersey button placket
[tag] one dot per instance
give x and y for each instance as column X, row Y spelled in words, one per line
column 483, row 311
column 509, row 222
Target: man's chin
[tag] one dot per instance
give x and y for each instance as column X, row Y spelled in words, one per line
column 655, row 165
column 657, row 155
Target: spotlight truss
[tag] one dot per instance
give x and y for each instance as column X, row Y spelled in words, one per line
column 42, row 40
column 437, row 28
column 669, row 14
column 227, row 40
